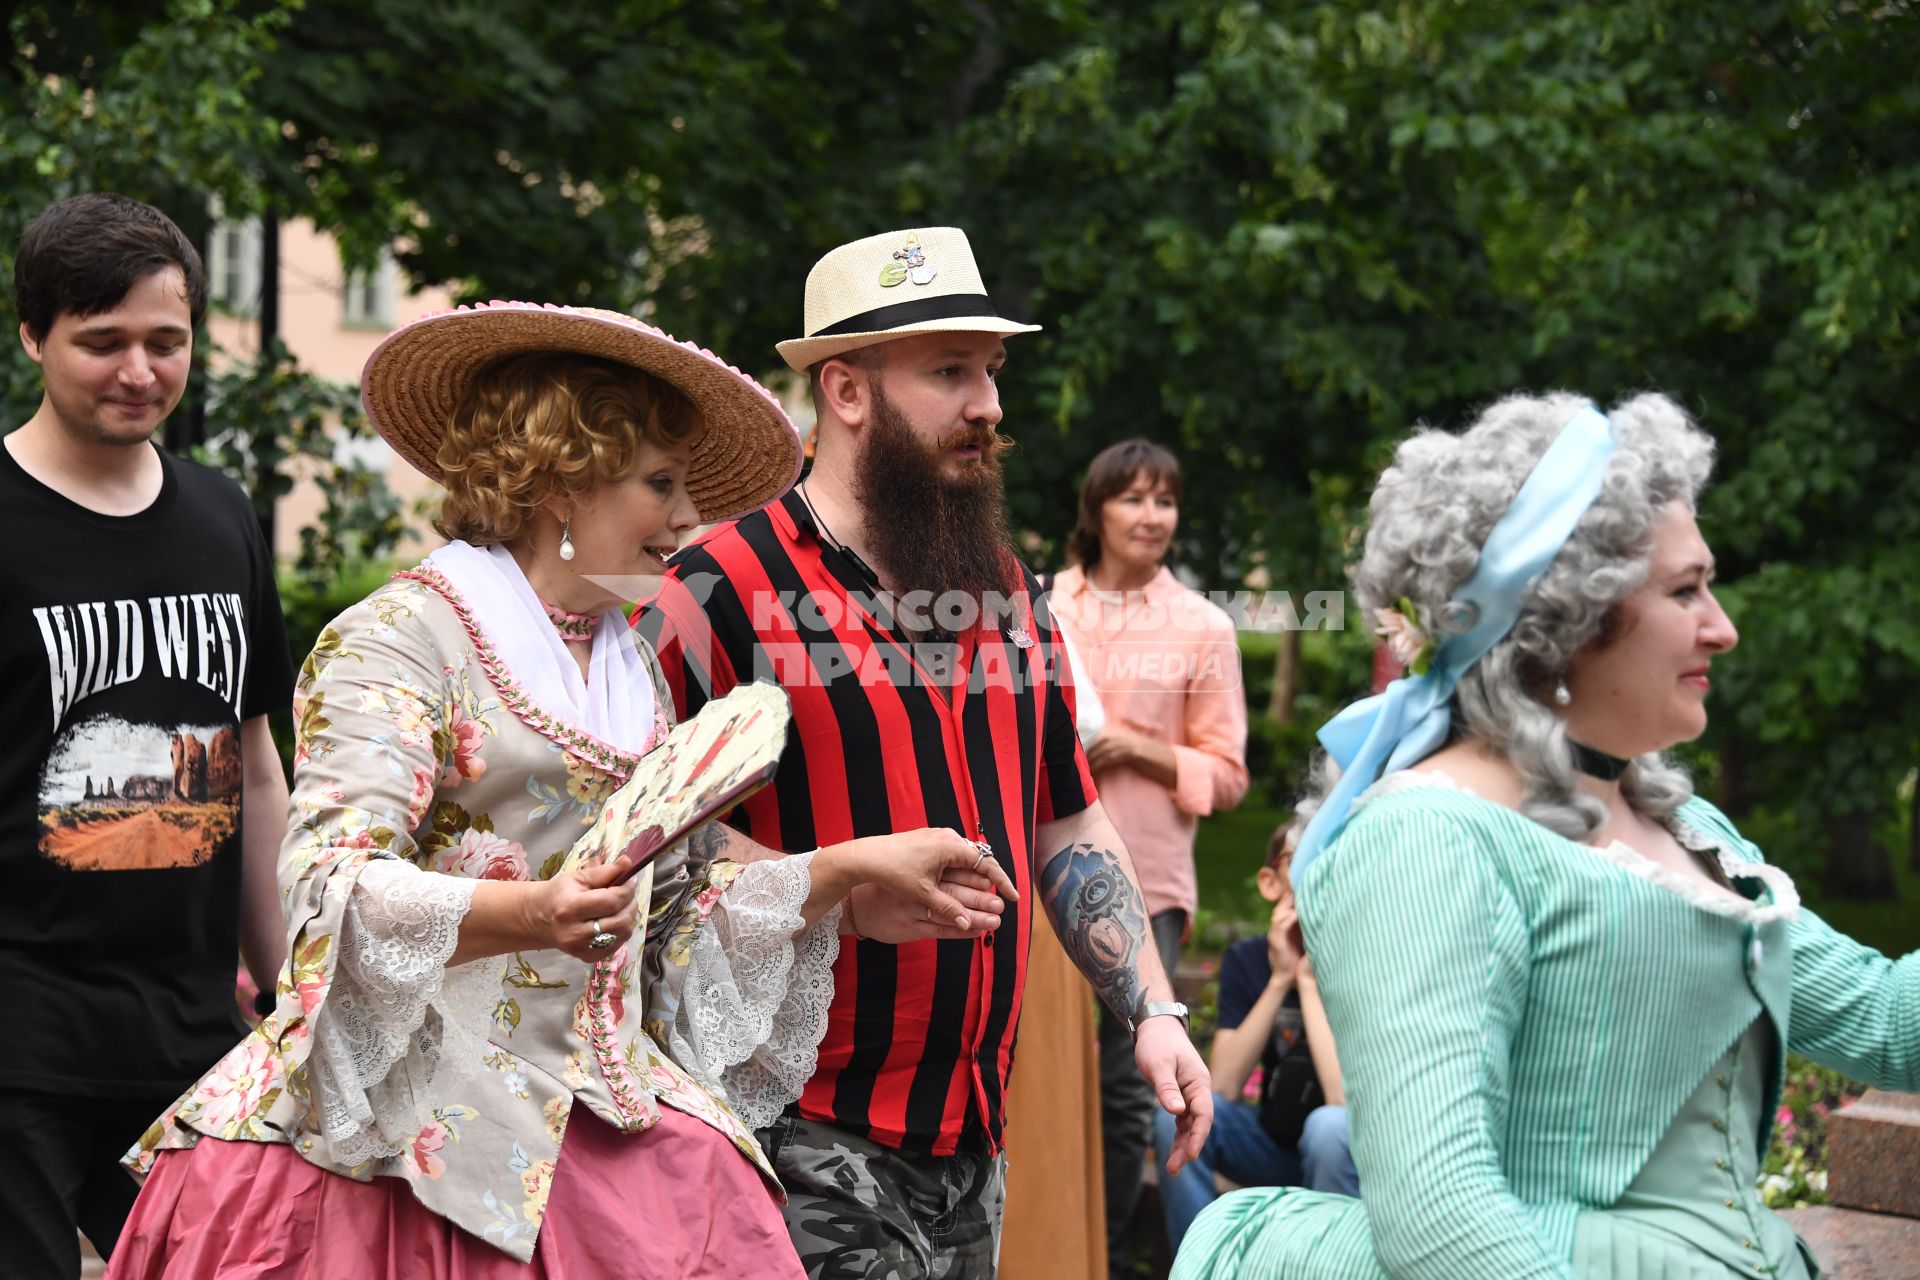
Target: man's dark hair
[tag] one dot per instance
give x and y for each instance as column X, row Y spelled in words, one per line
column 85, row 254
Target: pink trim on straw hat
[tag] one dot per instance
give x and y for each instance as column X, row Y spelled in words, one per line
column 748, row 455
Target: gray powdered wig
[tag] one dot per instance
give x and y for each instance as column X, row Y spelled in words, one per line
column 1430, row 515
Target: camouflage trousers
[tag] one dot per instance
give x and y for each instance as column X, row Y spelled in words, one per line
column 860, row 1211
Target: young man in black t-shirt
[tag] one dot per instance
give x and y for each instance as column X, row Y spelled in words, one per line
column 1270, row 1018
column 141, row 799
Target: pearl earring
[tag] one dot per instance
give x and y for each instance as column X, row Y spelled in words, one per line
column 566, row 538
column 1562, row 696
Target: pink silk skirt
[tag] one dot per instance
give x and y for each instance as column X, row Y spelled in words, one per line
column 676, row 1202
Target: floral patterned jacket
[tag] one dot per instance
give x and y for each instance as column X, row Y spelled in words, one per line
column 418, row 753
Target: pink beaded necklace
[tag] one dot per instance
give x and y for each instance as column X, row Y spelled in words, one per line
column 574, row 628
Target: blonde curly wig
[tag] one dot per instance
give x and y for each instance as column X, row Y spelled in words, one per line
column 536, row 427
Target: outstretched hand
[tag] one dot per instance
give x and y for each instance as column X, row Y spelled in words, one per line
column 1172, row 1066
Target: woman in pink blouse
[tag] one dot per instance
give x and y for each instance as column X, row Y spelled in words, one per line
column 1167, row 669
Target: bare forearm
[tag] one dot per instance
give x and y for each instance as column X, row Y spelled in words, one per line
column 723, row 841
column 1127, row 749
column 1326, row 1060
column 1157, row 761
column 263, row 819
column 263, row 932
column 1236, row 1050
column 500, row 919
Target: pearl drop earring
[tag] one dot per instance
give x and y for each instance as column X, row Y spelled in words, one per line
column 566, row 538
column 1562, row 696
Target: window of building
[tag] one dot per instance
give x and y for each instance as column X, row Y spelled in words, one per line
column 366, row 300
column 233, row 265
column 368, row 452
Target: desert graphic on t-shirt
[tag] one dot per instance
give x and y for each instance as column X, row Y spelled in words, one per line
column 116, row 796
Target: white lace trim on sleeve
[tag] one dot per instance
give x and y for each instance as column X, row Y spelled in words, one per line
column 757, row 990
column 394, row 1007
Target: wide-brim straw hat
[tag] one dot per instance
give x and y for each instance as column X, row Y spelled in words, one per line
column 894, row 285
column 747, row 455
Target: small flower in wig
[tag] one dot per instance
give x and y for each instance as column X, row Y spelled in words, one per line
column 1406, row 641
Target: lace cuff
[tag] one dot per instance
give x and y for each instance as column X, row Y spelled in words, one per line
column 757, row 990
column 393, row 1007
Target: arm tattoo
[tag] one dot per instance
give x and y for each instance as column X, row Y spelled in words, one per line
column 715, row 840
column 708, row 842
column 1101, row 920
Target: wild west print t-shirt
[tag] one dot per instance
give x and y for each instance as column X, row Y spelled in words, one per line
column 134, row 647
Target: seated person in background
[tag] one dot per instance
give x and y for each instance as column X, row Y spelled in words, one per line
column 1270, row 1017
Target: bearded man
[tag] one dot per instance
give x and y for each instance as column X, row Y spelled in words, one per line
column 929, row 688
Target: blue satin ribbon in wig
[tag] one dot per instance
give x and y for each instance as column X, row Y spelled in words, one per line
column 1408, row 721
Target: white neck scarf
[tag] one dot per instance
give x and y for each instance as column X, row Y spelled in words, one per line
column 614, row 703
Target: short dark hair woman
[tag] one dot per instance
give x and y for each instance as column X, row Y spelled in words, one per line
column 1173, row 748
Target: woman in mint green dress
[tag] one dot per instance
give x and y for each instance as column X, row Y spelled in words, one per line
column 1563, row 986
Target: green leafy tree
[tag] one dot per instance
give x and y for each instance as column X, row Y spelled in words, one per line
column 1277, row 237
column 273, row 419
column 1271, row 236
column 160, row 103
column 95, row 101
column 1718, row 200
column 158, row 106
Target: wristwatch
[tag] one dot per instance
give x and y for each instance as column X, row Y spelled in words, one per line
column 1158, row 1009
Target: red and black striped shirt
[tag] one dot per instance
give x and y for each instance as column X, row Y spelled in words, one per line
column 920, row 1038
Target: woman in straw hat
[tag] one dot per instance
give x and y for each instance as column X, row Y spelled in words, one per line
column 481, row 1065
column 1563, row 986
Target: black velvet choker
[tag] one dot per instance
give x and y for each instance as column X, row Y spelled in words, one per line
column 1597, row 764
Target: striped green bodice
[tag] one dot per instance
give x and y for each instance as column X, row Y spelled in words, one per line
column 1524, row 1020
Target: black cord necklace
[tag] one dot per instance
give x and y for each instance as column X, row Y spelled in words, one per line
column 860, row 566
column 882, row 599
column 1597, row 764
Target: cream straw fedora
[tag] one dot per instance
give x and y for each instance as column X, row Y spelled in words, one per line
column 748, row 455
column 921, row 280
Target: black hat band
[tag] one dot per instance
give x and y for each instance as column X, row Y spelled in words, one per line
column 950, row 306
